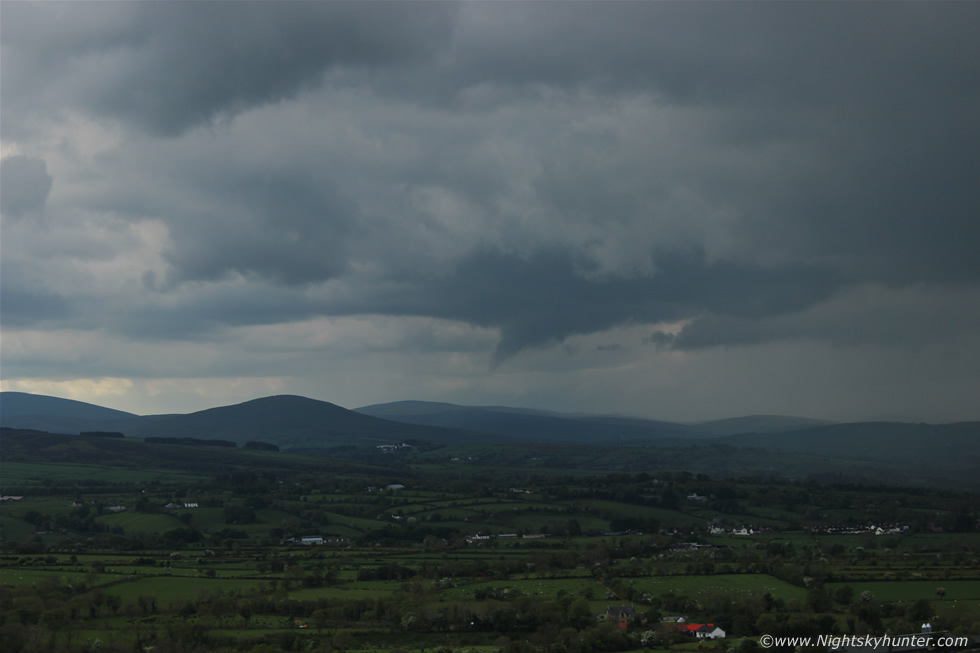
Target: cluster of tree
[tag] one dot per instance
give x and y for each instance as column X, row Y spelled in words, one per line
column 386, row 572
column 239, row 515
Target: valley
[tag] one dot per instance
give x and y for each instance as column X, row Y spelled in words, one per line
column 119, row 543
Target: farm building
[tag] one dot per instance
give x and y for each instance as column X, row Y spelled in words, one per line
column 701, row 631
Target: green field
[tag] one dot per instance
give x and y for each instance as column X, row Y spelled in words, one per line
column 748, row 584
column 620, row 510
column 171, row 588
column 23, row 473
column 956, row 590
column 406, row 576
column 133, row 522
column 35, row 576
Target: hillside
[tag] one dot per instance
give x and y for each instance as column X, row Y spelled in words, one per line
column 579, row 428
column 291, row 422
column 758, row 424
column 903, row 453
column 532, row 425
column 16, row 406
column 37, row 447
column 934, row 447
column 414, row 407
column 288, row 421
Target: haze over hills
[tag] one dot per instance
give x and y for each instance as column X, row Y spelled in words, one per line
column 415, row 407
column 23, row 403
column 758, row 424
column 286, row 420
column 292, row 421
column 923, row 451
column 540, row 426
column 888, row 442
column 575, row 427
column 57, row 415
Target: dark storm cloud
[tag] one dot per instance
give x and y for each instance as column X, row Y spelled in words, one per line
column 24, row 184
column 881, row 98
column 899, row 318
column 580, row 165
column 543, row 299
column 801, row 56
column 169, row 66
column 26, row 307
column 288, row 229
column 210, row 309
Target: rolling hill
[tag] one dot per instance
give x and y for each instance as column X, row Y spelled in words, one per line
column 57, row 415
column 292, row 422
column 289, row 421
column 17, row 404
column 38, row 447
column 957, row 446
column 303, row 418
column 758, row 424
column 916, row 453
column 578, row 428
column 533, row 425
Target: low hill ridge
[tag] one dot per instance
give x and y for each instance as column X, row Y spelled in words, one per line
column 16, row 404
column 878, row 442
column 533, row 425
column 759, row 424
column 289, row 421
column 295, row 422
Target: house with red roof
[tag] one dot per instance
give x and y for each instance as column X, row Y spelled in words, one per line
column 701, row 631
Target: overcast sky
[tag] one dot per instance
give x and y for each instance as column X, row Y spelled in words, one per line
column 676, row 210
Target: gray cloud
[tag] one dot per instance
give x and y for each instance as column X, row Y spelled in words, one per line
column 543, row 300
column 24, row 184
column 860, row 316
column 538, row 171
column 291, row 229
column 24, row 308
column 168, row 67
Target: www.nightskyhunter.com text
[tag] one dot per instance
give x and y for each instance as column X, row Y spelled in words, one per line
column 885, row 642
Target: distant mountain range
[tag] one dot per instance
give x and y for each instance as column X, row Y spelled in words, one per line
column 297, row 422
column 953, row 445
column 548, row 426
column 533, row 425
column 20, row 404
column 286, row 420
column 293, row 422
column 759, row 424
